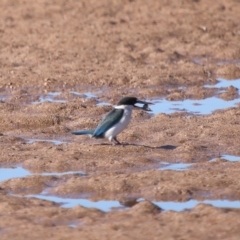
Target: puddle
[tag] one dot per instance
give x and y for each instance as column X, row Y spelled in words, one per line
column 55, row 142
column 72, row 225
column 76, row 93
column 176, row 206
column 92, row 95
column 2, row 99
column 19, row 172
column 9, row 173
column 4, row 96
column 54, row 97
column 108, row 205
column 181, row 206
column 103, row 205
column 218, row 62
column 223, row 203
column 202, row 107
column 205, row 106
column 232, row 61
column 104, row 104
column 175, row 166
column 49, row 97
column 86, row 94
column 222, row 83
column 230, row 158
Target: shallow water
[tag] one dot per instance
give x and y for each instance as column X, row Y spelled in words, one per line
column 108, row 205
column 223, row 83
column 175, row 166
column 86, row 94
column 72, row 225
column 2, row 98
column 104, row 104
column 219, row 62
column 90, row 95
column 20, row 172
column 49, row 97
column 205, row 106
column 103, row 205
column 80, row 173
column 176, row 206
column 230, row 158
column 181, row 206
column 199, row 107
column 9, row 173
column 55, row 142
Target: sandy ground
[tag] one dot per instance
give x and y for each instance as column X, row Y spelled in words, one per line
column 52, row 52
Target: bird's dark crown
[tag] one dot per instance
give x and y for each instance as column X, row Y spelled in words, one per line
column 127, row 101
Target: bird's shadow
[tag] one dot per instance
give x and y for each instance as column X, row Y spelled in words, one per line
column 166, row 147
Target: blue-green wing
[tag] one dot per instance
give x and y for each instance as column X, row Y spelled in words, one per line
column 83, row 132
column 111, row 119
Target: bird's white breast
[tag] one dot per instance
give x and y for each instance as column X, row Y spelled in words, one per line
column 120, row 126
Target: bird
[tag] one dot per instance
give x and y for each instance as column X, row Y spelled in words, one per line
column 116, row 120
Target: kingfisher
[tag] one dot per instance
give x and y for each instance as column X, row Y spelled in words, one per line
column 116, row 120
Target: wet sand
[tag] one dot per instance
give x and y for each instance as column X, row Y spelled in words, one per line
column 64, row 65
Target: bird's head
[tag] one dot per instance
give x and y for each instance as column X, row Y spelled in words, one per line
column 132, row 101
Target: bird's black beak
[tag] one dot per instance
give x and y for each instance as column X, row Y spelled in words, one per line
column 145, row 105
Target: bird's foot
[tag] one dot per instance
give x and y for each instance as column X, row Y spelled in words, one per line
column 116, row 142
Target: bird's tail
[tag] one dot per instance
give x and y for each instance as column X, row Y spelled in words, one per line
column 84, row 132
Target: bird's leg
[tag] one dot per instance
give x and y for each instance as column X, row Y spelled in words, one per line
column 116, row 141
